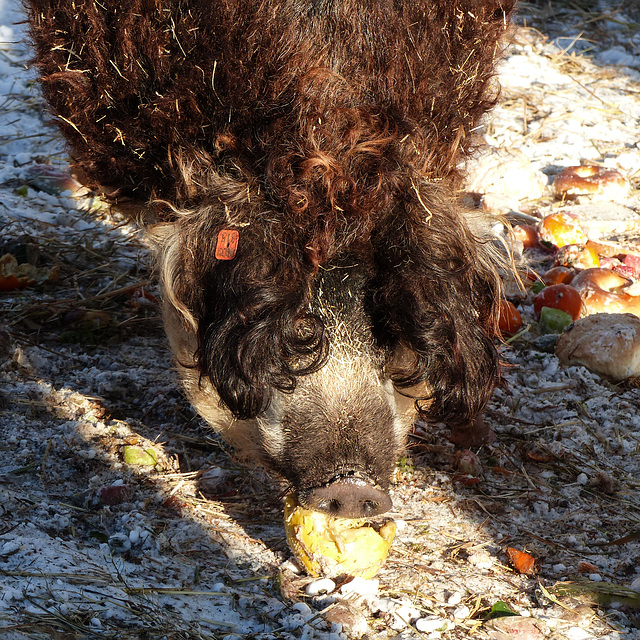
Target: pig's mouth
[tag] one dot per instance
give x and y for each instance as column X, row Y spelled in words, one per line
column 347, row 496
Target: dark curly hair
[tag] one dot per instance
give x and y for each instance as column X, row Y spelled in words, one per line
column 326, row 132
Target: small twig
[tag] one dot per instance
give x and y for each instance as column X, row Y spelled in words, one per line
column 44, row 463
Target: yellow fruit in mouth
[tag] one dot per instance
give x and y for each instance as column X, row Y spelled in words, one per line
column 330, row 547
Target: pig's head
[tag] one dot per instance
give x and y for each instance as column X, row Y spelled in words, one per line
column 337, row 435
column 316, row 370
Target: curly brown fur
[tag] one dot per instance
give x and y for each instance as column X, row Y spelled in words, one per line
column 329, row 133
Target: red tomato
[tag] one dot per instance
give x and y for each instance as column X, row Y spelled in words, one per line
column 9, row 283
column 559, row 296
column 510, row 319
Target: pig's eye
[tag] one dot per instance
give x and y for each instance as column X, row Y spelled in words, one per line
column 308, row 333
column 305, row 329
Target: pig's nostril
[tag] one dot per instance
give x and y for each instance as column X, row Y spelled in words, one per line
column 335, row 506
column 347, row 498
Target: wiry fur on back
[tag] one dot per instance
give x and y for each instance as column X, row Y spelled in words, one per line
column 326, row 132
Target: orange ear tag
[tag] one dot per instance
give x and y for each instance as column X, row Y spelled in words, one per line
column 227, row 244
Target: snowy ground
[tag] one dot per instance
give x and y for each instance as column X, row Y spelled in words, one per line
column 191, row 545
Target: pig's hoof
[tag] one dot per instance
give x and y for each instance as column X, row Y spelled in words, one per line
column 330, row 547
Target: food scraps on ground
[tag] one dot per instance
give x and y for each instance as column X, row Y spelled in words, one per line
column 330, row 547
column 606, row 343
column 139, row 456
column 602, row 291
column 560, row 229
column 510, row 320
column 17, row 276
column 559, row 296
column 589, row 180
column 577, row 256
column 554, row 320
column 521, row 561
column 527, row 234
column 630, row 266
column 53, row 180
column 558, row 275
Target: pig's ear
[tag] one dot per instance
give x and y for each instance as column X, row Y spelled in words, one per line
column 435, row 299
column 249, row 313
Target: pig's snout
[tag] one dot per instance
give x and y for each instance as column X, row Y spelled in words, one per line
column 347, row 497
